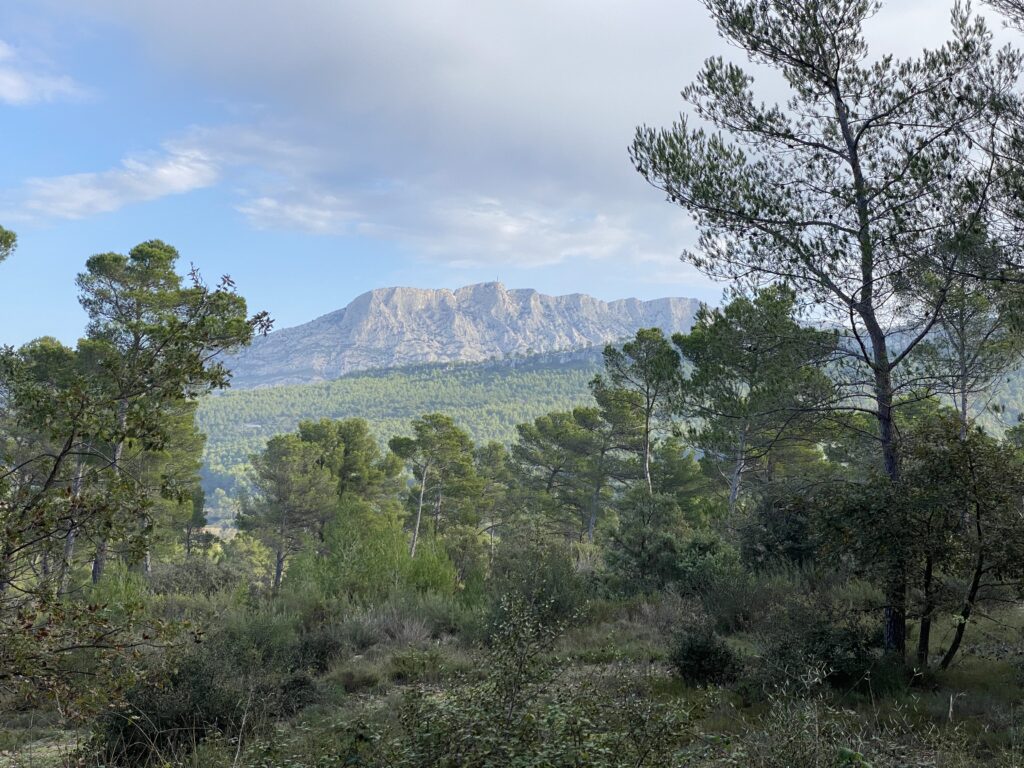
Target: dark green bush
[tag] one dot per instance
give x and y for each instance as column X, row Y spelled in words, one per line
column 251, row 671
column 541, row 574
column 826, row 626
column 701, row 657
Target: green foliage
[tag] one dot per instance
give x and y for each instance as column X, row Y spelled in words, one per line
column 488, row 400
column 251, row 670
column 700, row 657
column 98, row 448
column 539, row 573
column 645, row 552
column 296, row 497
column 8, row 242
column 365, row 559
column 755, row 383
column 641, row 379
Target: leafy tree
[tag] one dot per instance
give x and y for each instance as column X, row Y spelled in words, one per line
column 156, row 339
column 440, row 454
column 840, row 191
column 977, row 337
column 570, row 459
column 88, row 449
column 295, row 496
column 642, row 377
column 755, row 381
column 8, row 242
column 645, row 551
column 964, row 496
column 353, row 455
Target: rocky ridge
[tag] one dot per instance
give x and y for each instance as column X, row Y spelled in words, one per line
column 390, row 327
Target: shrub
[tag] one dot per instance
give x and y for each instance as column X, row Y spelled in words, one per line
column 252, row 670
column 644, row 552
column 368, row 560
column 197, row 575
column 539, row 573
column 828, row 626
column 701, row 657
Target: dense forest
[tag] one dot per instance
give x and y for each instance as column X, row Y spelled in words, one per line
column 487, row 399
column 787, row 537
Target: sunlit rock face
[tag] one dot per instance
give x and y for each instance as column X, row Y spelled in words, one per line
column 391, row 327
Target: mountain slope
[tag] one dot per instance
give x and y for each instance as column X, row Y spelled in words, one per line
column 488, row 399
column 391, row 327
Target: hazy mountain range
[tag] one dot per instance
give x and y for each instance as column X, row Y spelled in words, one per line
column 392, row 327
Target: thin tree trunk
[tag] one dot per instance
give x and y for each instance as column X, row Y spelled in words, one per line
column 592, row 522
column 924, row 639
column 419, row 514
column 647, row 453
column 895, row 629
column 69, row 553
column 965, row 611
column 99, row 563
column 736, row 478
column 278, row 568
column 71, row 535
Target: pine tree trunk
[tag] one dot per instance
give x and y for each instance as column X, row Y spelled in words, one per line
column 99, row 563
column 647, row 454
column 278, row 568
column 419, row 514
column 895, row 628
column 965, row 612
column 924, row 638
column 736, row 478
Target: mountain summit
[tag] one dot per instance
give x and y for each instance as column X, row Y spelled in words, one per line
column 390, row 327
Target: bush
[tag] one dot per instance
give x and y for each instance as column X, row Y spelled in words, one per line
column 644, row 553
column 827, row 626
column 541, row 574
column 701, row 657
column 252, row 670
column 368, row 561
column 197, row 575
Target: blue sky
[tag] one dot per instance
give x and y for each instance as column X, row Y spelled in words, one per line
column 316, row 149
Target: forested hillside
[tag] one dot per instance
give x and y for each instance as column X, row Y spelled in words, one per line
column 488, row 399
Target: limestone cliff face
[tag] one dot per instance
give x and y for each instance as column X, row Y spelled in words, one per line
column 391, row 327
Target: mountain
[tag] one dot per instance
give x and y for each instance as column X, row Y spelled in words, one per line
column 392, row 327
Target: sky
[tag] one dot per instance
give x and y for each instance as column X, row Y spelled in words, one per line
column 317, row 149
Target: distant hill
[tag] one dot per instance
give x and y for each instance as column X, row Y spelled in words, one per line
column 488, row 399
column 394, row 327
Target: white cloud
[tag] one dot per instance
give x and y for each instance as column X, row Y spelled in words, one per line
column 177, row 170
column 318, row 214
column 488, row 230
column 20, row 86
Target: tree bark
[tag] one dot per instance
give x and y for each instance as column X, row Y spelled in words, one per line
column 895, row 621
column 736, row 478
column 965, row 612
column 99, row 563
column 647, row 453
column 924, row 639
column 278, row 568
column 419, row 513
